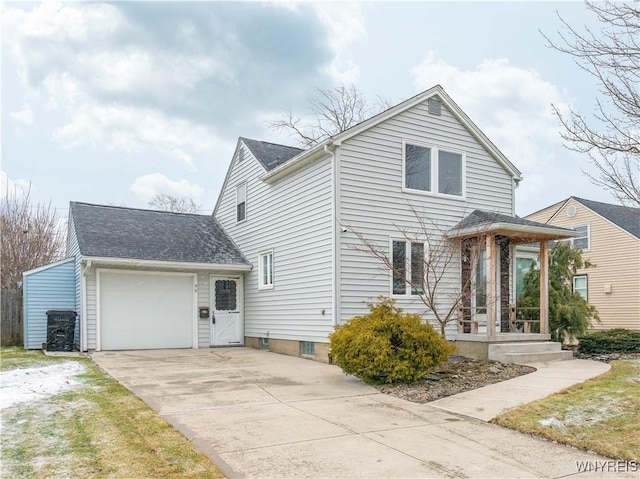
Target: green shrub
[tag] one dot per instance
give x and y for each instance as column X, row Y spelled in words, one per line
column 612, row 341
column 387, row 345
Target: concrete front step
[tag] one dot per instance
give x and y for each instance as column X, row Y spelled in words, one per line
column 527, row 352
column 544, row 357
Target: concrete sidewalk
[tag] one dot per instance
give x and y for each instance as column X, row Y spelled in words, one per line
column 260, row 414
column 490, row 401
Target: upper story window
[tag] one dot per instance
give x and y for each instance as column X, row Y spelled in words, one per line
column 265, row 270
column 433, row 170
column 582, row 240
column 241, row 202
column 407, row 276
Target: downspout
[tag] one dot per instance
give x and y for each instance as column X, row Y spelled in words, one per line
column 84, row 342
column 334, row 233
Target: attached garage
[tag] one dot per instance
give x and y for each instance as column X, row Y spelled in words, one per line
column 146, row 310
column 141, row 278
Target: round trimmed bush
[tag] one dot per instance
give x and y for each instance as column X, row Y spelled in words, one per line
column 387, row 345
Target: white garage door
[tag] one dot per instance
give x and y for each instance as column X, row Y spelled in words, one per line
column 146, row 311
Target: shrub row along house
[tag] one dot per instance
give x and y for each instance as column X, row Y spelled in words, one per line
column 281, row 260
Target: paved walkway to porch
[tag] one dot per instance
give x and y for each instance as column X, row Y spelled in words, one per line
column 260, row 414
column 490, row 401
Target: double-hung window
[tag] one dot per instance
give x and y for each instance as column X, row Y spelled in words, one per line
column 241, row 202
column 265, row 270
column 433, row 170
column 582, row 240
column 580, row 285
column 408, row 267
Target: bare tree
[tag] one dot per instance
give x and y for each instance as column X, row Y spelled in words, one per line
column 31, row 236
column 333, row 111
column 435, row 274
column 176, row 204
column 611, row 138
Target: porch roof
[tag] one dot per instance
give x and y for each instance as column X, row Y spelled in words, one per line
column 517, row 229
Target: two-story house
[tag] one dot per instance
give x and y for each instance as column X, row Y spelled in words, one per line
column 281, row 262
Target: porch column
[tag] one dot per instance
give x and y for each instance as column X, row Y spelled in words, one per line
column 544, row 287
column 492, row 294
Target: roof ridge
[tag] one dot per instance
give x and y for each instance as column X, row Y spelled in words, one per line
column 130, row 208
column 272, row 143
column 606, row 204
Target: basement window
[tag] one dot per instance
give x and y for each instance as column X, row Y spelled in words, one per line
column 307, row 348
column 264, row 344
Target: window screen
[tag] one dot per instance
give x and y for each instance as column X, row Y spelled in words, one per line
column 399, row 267
column 450, row 173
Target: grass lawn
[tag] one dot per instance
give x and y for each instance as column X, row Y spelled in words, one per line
column 600, row 415
column 97, row 429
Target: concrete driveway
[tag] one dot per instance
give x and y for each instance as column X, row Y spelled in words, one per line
column 260, row 414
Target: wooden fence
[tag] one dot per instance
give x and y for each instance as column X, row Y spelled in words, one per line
column 11, row 332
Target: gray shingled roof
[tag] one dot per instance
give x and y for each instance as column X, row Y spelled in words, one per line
column 479, row 217
column 625, row 217
column 271, row 155
column 480, row 220
column 116, row 232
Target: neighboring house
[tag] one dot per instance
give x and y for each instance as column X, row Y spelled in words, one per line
column 281, row 261
column 609, row 236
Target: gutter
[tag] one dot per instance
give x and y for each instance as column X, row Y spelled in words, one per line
column 84, row 341
column 168, row 264
column 335, row 292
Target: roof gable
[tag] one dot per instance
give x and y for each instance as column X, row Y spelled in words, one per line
column 625, row 217
column 117, row 232
column 436, row 91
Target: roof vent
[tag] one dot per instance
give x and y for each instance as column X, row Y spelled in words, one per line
column 435, row 106
column 571, row 211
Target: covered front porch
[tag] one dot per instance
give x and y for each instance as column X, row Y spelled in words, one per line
column 491, row 325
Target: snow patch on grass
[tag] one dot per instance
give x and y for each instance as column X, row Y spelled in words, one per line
column 32, row 384
column 584, row 415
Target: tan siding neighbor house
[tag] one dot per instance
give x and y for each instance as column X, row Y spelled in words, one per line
column 610, row 238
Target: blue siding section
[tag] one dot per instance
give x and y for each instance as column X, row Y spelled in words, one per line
column 51, row 287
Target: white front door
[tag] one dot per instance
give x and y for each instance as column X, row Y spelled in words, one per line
column 226, row 318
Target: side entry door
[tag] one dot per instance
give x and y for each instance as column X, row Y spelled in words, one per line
column 226, row 314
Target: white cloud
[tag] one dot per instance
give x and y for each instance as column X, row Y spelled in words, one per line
column 134, row 129
column 11, row 188
column 345, row 25
column 24, row 116
column 147, row 186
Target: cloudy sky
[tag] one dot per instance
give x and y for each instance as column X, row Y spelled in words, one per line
column 113, row 102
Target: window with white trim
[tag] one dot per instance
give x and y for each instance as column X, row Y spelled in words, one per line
column 265, row 270
column 582, row 240
column 241, row 202
column 407, row 277
column 433, row 170
column 581, row 285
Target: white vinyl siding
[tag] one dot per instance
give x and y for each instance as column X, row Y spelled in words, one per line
column 292, row 216
column 372, row 200
column 73, row 251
